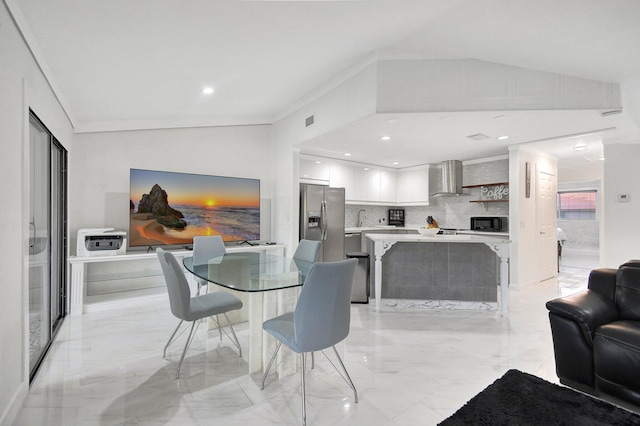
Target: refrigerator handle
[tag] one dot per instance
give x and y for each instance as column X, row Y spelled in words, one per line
column 323, row 219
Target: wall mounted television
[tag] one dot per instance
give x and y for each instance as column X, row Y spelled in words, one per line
column 170, row 208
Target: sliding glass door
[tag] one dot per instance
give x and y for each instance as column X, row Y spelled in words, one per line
column 47, row 239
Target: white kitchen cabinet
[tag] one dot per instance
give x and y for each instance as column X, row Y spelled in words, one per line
column 314, row 170
column 388, row 186
column 365, row 184
column 413, row 186
column 360, row 190
column 373, row 185
column 405, row 186
column 341, row 176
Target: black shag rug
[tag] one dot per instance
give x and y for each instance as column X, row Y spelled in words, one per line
column 519, row 398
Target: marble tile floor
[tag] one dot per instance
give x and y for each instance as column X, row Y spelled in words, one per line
column 106, row 368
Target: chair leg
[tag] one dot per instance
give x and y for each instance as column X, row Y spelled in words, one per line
column 186, row 346
column 233, row 333
column 219, row 326
column 170, row 341
column 273, row 357
column 313, row 361
column 348, row 378
column 304, row 393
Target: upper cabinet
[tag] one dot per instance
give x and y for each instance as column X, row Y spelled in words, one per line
column 388, row 186
column 314, row 171
column 365, row 184
column 413, row 186
column 342, row 176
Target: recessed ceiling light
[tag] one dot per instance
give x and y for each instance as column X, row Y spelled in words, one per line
column 385, row 138
column 395, row 163
column 502, row 138
column 366, row 168
column 347, row 154
column 601, row 158
column 580, row 147
column 207, row 90
column 318, row 162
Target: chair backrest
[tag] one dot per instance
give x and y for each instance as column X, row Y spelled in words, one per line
column 177, row 285
column 308, row 251
column 206, row 247
column 627, row 296
column 323, row 313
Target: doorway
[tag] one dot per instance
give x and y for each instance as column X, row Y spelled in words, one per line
column 547, row 225
column 47, row 239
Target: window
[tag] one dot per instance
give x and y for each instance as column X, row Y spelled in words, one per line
column 577, row 205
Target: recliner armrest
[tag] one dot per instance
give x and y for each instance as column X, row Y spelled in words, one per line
column 589, row 309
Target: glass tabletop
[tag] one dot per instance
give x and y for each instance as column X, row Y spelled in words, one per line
column 251, row 272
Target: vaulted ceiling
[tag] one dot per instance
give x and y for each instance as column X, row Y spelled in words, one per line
column 143, row 64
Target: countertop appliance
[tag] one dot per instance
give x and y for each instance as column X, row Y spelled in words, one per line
column 489, row 223
column 396, row 217
column 322, row 219
column 101, row 242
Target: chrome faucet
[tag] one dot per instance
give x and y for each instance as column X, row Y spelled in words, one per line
column 359, row 218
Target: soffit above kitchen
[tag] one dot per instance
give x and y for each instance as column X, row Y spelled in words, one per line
column 405, row 113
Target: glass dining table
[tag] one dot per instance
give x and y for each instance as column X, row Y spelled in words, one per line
column 259, row 276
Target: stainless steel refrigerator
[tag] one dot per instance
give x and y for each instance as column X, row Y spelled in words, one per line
column 322, row 219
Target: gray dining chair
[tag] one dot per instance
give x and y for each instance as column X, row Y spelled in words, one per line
column 321, row 318
column 205, row 248
column 193, row 309
column 307, row 251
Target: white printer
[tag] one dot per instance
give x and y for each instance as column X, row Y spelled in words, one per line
column 101, row 242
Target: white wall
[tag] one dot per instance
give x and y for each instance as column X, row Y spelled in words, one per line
column 582, row 173
column 22, row 86
column 621, row 230
column 99, row 168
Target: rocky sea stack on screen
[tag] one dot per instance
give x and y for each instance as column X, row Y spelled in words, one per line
column 156, row 202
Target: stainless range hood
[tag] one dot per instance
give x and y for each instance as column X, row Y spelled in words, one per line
column 451, row 179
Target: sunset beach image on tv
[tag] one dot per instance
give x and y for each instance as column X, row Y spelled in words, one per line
column 171, row 208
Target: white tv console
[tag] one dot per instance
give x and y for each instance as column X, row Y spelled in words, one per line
column 77, row 284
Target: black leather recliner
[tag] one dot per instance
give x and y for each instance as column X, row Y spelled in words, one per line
column 596, row 335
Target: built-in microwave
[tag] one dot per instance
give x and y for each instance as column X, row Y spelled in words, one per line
column 490, row 223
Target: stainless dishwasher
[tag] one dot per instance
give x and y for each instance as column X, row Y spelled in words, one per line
column 352, row 242
column 360, row 288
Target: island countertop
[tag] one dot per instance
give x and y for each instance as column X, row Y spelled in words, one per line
column 458, row 238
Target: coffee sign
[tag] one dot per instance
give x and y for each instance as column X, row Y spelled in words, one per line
column 498, row 192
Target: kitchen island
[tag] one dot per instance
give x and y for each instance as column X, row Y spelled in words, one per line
column 447, row 267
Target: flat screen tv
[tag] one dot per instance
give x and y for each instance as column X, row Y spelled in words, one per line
column 169, row 208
